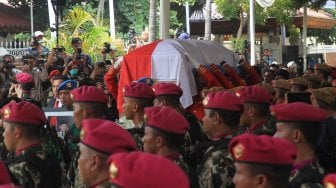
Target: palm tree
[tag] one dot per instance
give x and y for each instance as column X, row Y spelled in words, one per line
column 152, row 20
column 207, row 18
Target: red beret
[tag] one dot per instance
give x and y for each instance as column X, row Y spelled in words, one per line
column 262, row 150
column 329, row 180
column 256, row 94
column 166, row 119
column 24, row 78
column 298, row 112
column 4, row 175
column 139, row 90
column 136, row 169
column 167, row 89
column 89, row 94
column 54, row 73
column 106, row 137
column 223, row 100
column 23, row 112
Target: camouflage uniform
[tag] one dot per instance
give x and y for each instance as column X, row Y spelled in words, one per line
column 105, row 184
column 192, row 137
column 72, row 139
column 25, row 173
column 137, row 133
column 263, row 127
column 308, row 176
column 216, row 169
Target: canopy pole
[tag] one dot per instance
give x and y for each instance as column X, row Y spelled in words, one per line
column 252, row 34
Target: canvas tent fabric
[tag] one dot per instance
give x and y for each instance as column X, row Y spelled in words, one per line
column 172, row 61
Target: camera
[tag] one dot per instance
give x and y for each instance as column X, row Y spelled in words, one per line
column 26, row 62
column 79, row 51
column 106, row 48
column 40, row 62
column 59, row 50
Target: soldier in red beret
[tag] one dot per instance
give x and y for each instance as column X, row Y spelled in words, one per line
column 100, row 139
column 220, row 124
column 168, row 94
column 165, row 129
column 25, row 85
column 329, row 181
column 137, row 96
column 256, row 118
column 300, row 123
column 88, row 102
column 261, row 161
column 22, row 123
column 138, row 169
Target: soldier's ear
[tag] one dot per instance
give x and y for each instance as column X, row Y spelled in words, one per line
column 17, row 132
column 261, row 180
column 159, row 141
column 297, row 136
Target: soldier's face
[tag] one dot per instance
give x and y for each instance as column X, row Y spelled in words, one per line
column 284, row 131
column 246, row 116
column 208, row 122
column 9, row 136
column 78, row 115
column 158, row 103
column 84, row 164
column 128, row 107
column 65, row 97
column 243, row 178
column 55, row 85
column 149, row 140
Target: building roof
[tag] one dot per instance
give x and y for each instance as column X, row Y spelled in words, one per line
column 220, row 25
column 12, row 20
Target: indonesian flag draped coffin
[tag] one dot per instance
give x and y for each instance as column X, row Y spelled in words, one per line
column 172, row 61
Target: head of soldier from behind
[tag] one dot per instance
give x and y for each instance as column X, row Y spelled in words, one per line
column 99, row 139
column 222, row 112
column 165, row 129
column 255, row 168
column 167, row 94
column 22, row 123
column 86, row 106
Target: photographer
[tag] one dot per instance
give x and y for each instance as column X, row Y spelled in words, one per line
column 39, row 72
column 7, row 66
column 108, row 50
column 37, row 50
column 78, row 58
column 97, row 75
column 57, row 59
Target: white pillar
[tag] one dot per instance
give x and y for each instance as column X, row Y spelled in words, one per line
column 283, row 34
column 112, row 22
column 31, row 18
column 304, row 36
column 52, row 18
column 252, row 34
column 164, row 18
column 187, row 17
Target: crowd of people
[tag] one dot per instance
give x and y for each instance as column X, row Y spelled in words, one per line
column 248, row 127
